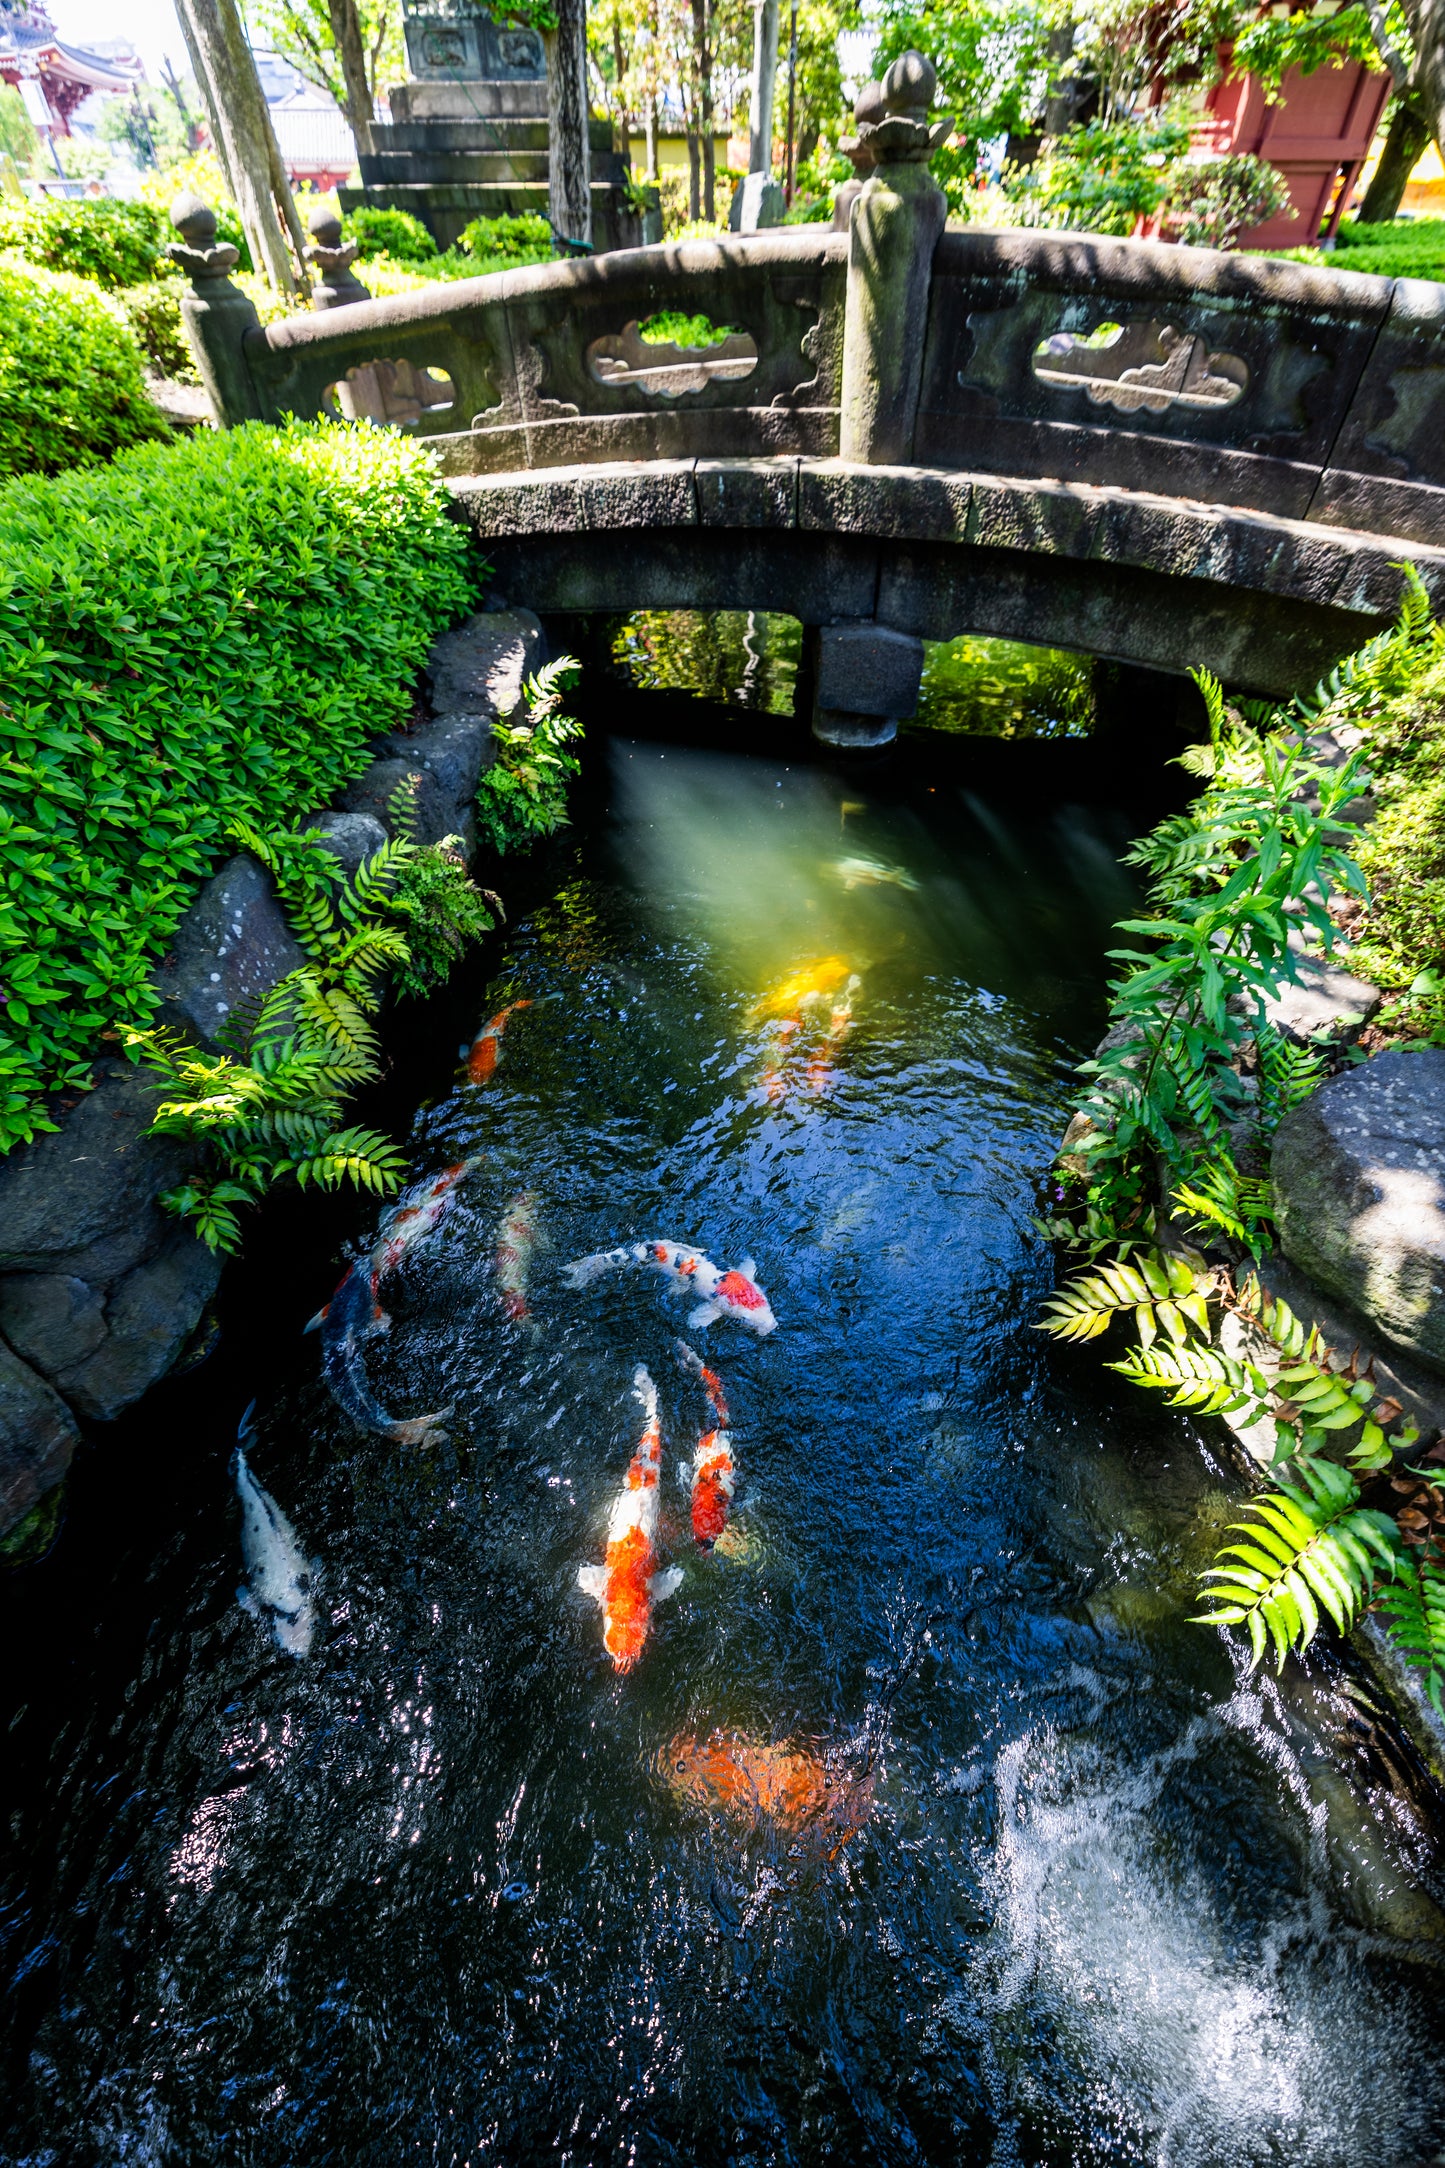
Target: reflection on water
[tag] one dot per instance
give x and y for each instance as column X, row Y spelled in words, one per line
column 747, row 658
column 926, row 1828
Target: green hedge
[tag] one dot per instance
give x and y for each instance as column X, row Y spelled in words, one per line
column 113, row 243
column 189, row 635
column 72, row 383
column 380, row 231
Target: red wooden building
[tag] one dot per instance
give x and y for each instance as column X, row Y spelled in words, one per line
column 1317, row 133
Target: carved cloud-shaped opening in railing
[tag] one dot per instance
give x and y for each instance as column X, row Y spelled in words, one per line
column 667, row 368
column 389, row 393
column 1142, row 366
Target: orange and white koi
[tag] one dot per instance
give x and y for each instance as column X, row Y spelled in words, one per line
column 516, row 1243
column 629, row 1584
column 482, row 1055
column 714, row 1472
column 809, row 983
column 753, row 1783
column 735, row 1293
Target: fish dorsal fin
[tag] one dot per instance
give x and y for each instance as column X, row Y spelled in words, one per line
column 592, row 1580
column 663, row 1585
column 748, row 1268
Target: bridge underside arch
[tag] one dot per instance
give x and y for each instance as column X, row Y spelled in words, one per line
column 1268, row 604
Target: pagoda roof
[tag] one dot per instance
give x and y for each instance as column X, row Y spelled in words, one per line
column 30, row 48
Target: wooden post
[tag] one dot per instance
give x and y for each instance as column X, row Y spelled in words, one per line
column 241, row 129
column 569, row 147
column 764, row 81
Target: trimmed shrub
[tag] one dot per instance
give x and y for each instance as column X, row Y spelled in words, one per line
column 154, row 315
column 72, row 386
column 113, row 243
column 191, row 636
column 1211, row 201
column 380, row 232
column 526, row 238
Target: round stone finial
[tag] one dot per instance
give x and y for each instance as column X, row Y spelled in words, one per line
column 324, row 226
column 910, row 83
column 868, row 105
column 194, row 220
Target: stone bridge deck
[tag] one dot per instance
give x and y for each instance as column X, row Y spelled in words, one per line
column 1161, row 454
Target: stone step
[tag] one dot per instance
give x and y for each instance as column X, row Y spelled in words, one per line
column 464, row 101
column 476, row 133
column 385, row 168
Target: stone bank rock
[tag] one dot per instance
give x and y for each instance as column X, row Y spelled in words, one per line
column 374, row 792
column 351, row 838
column 80, row 1200
column 38, row 1435
column 479, row 666
column 1359, row 1181
column 455, row 749
column 52, row 1320
column 231, row 948
column 1325, row 1001
column 148, row 1319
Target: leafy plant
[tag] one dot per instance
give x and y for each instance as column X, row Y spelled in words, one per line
column 280, row 589
column 523, row 795
column 523, row 238
column 1102, row 177
column 673, row 327
column 1413, row 1605
column 442, row 910
column 1211, row 201
column 72, row 387
column 989, row 688
column 110, row 242
column 154, row 315
column 380, row 231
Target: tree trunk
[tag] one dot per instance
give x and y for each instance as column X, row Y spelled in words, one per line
column 703, row 61
column 694, row 175
column 241, row 128
column 351, row 49
column 1426, row 19
column 652, row 139
column 1407, row 138
column 569, row 152
column 1063, row 90
column 761, row 89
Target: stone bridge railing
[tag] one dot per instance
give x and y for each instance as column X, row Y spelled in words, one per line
column 1266, row 427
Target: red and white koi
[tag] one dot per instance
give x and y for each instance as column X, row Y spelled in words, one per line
column 516, row 1244
column 483, row 1054
column 407, row 1224
column 714, row 1472
column 734, row 1293
column 628, row 1586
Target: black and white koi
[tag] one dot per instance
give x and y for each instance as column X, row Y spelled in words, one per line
column 278, row 1575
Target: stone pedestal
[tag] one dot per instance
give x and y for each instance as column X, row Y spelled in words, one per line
column 467, row 136
column 866, row 680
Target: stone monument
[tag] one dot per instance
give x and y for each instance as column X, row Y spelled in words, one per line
column 467, row 136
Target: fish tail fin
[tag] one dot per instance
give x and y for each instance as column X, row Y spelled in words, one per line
column 592, row 1580
column 422, row 1430
column 663, row 1585
column 646, row 1391
column 314, row 1324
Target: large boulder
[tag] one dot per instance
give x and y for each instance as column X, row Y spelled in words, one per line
column 1359, row 1183
column 149, row 1319
column 80, row 1200
column 478, row 667
column 38, row 1434
column 230, row 949
column 51, row 1319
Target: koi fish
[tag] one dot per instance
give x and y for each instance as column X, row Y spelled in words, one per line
column 279, row 1575
column 754, row 1783
column 805, row 1021
column 872, row 873
column 809, row 983
column 352, row 1316
column 714, row 1473
column 516, row 1242
column 407, row 1224
column 735, row 1294
column 628, row 1585
column 482, row 1055
column 840, row 1023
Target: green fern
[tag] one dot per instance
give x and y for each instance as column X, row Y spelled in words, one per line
column 1157, row 1288
column 1203, row 1378
column 1414, row 1605
column 1218, row 1197
column 1309, row 1547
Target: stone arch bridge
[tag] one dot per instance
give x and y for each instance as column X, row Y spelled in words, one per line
column 1162, row 455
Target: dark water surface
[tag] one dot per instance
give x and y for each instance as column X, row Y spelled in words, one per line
column 1081, row 1892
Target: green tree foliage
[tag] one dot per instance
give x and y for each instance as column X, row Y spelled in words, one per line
column 1210, row 203
column 279, row 593
column 748, row 658
column 72, row 385
column 149, row 127
column 522, row 797
column 301, row 31
column 112, row 243
column 1103, row 177
column 18, row 139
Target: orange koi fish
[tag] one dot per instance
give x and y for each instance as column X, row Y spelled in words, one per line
column 516, row 1242
column 482, row 1055
column 754, row 1783
column 713, row 1469
column 628, row 1585
column 809, row 983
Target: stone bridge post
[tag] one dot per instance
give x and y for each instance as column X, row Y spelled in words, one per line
column 867, row 676
column 216, row 314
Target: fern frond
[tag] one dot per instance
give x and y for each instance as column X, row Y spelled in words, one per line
column 1414, row 1606
column 1204, row 1378
column 1158, row 1289
column 1309, row 1547
column 401, row 808
column 362, row 1156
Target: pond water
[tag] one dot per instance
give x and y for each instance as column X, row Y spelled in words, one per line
column 927, row 1828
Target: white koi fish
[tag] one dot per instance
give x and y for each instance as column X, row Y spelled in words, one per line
column 516, row 1244
column 628, row 1585
column 280, row 1576
column 713, row 1479
column 735, row 1294
column 872, row 873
